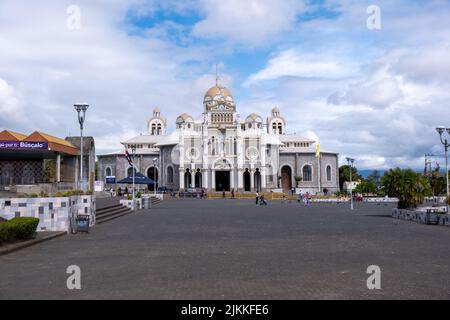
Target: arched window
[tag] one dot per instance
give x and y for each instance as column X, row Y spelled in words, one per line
column 169, row 174
column 159, row 129
column 108, row 172
column 153, row 128
column 329, row 173
column 130, row 171
column 307, row 173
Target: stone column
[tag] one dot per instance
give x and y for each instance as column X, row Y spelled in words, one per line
column 181, row 173
column 263, row 178
column 213, row 180
column 252, row 179
column 58, row 167
column 240, row 173
column 193, row 177
column 232, row 186
column 205, row 178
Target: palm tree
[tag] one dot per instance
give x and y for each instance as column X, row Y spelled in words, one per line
column 297, row 179
column 408, row 186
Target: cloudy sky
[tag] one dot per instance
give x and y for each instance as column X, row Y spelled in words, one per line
column 375, row 95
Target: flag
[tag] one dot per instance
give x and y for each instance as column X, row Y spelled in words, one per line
column 318, row 150
column 127, row 156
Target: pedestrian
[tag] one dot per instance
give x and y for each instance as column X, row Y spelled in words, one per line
column 126, row 191
column 262, row 200
column 119, row 192
column 257, row 197
column 232, row 193
column 223, row 193
column 202, row 193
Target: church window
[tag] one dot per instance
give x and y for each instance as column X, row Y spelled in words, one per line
column 169, row 174
column 328, row 173
column 307, row 173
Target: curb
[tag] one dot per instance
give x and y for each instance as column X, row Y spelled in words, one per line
column 29, row 243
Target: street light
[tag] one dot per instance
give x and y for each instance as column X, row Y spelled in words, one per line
column 81, row 108
column 155, row 160
column 440, row 131
column 350, row 162
column 133, row 153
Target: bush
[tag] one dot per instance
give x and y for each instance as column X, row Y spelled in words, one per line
column 22, row 228
column 4, row 233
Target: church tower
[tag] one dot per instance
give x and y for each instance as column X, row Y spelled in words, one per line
column 157, row 124
column 276, row 123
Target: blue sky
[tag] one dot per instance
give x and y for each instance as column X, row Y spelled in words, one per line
column 375, row 95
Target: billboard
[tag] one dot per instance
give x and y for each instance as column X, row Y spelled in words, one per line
column 110, row 179
column 24, row 145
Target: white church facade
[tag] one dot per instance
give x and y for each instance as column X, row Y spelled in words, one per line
column 219, row 150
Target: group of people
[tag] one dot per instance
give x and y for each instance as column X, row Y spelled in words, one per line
column 304, row 198
column 224, row 194
column 119, row 192
column 261, row 200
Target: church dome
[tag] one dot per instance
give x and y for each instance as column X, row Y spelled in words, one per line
column 184, row 118
column 253, row 118
column 219, row 98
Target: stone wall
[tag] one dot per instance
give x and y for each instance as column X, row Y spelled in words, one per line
column 53, row 213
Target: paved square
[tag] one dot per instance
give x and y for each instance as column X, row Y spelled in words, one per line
column 232, row 249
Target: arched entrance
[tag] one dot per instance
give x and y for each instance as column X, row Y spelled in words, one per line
column 222, row 180
column 187, row 179
column 152, row 173
column 286, row 178
column 247, row 180
column 198, row 179
column 257, row 180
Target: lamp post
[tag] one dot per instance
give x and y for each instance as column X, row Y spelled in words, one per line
column 133, row 153
column 440, row 131
column 81, row 109
column 155, row 161
column 350, row 162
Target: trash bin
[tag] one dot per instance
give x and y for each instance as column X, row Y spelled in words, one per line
column 82, row 223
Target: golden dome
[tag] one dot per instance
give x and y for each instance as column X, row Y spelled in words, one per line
column 184, row 118
column 216, row 90
column 253, row 117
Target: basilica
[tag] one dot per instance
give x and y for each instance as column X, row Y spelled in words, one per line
column 219, row 150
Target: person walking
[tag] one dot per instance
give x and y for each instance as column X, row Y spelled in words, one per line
column 257, row 197
column 262, row 200
column 223, row 193
column 232, row 193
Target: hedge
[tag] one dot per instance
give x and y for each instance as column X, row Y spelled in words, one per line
column 22, row 228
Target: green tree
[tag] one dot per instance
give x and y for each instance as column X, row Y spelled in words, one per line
column 375, row 178
column 367, row 187
column 49, row 170
column 408, row 186
column 344, row 175
column 297, row 179
column 437, row 182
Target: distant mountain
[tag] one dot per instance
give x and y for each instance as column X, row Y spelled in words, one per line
column 368, row 172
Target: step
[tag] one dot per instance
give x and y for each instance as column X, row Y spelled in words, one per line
column 112, row 212
column 111, row 217
column 109, row 208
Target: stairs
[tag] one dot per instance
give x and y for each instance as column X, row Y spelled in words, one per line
column 154, row 201
column 111, row 212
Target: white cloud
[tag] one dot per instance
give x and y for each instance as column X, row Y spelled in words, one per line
column 290, row 63
column 249, row 22
column 11, row 110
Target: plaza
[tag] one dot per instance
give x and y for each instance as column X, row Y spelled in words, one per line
column 233, row 249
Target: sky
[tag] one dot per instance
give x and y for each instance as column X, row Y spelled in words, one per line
column 374, row 94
